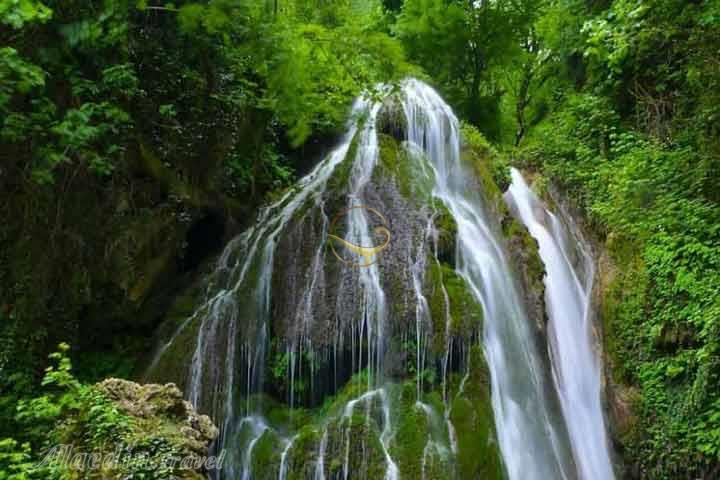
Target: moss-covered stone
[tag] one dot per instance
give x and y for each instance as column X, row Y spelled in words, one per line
column 471, row 414
column 353, row 443
column 334, row 405
column 466, row 313
column 407, row 168
column 302, row 456
column 177, row 336
column 529, row 268
column 489, row 166
column 620, row 296
column 338, row 183
column 266, row 456
column 417, row 436
column 411, row 435
column 150, row 422
column 446, row 232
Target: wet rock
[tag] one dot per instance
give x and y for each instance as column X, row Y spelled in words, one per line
column 391, row 119
column 446, row 233
column 154, row 405
column 525, row 257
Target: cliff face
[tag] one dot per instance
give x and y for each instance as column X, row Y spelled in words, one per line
column 621, row 397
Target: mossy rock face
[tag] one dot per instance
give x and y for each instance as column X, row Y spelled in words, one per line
column 347, row 439
column 620, row 295
column 391, row 119
column 400, row 190
column 177, row 337
column 493, row 177
column 448, row 294
column 485, row 182
column 472, row 415
column 420, row 443
column 353, row 445
column 338, row 183
column 429, row 308
column 446, row 229
column 411, row 437
column 490, row 166
column 266, row 455
column 405, row 167
column 525, row 258
column 303, row 454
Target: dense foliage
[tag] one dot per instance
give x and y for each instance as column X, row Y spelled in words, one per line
column 118, row 117
column 53, row 418
column 124, row 123
column 629, row 130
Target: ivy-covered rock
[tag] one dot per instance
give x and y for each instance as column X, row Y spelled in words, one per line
column 157, row 415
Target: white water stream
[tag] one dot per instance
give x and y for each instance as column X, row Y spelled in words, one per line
column 531, row 438
column 576, row 368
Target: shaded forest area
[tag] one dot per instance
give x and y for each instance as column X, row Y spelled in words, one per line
column 137, row 136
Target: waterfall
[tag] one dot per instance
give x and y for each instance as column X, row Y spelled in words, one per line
column 341, row 321
column 531, row 439
column 575, row 366
column 212, row 380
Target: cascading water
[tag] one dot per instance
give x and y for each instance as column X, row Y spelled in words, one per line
column 337, row 315
column 576, row 370
column 531, row 440
column 214, row 360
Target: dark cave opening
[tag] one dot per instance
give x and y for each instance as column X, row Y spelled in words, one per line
column 204, row 238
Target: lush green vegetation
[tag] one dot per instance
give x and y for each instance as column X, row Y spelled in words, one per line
column 629, row 131
column 64, row 412
column 70, row 426
column 124, row 123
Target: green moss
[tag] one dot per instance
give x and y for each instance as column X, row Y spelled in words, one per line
column 411, row 434
column 173, row 363
column 540, row 184
column 280, row 414
column 365, row 456
column 302, row 456
column 466, row 313
column 410, row 172
column 490, row 167
column 416, row 436
column 333, row 406
column 151, row 424
column 364, row 453
column 447, row 232
column 436, row 465
column 526, row 248
column 266, row 456
column 472, row 415
column 339, row 180
column 623, row 306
